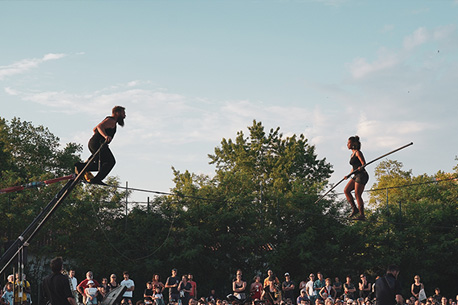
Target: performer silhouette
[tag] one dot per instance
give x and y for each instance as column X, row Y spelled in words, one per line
column 103, row 132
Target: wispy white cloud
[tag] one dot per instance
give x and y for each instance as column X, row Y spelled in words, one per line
column 25, row 65
column 387, row 28
column 389, row 60
column 417, row 38
column 360, row 67
column 53, row 56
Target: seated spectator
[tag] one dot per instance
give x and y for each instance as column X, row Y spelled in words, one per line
column 302, row 298
column 126, row 301
column 328, row 301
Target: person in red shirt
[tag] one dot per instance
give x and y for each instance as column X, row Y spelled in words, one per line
column 84, row 284
column 193, row 293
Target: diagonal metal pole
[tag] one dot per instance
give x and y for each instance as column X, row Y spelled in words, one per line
column 372, row 161
column 44, row 215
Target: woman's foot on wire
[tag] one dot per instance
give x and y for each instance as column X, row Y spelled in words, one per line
column 354, row 213
column 360, row 217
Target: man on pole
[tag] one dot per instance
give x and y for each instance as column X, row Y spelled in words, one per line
column 103, row 132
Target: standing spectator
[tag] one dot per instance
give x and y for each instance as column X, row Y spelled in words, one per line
column 156, row 282
column 444, row 301
column 288, row 288
column 328, row 290
column 91, row 293
column 349, row 289
column 74, row 281
column 104, row 289
column 364, row 287
column 302, row 284
column 112, row 284
column 256, row 288
column 212, row 297
column 416, row 287
column 148, row 292
column 129, row 284
column 271, row 292
column 158, row 297
column 270, row 274
column 56, row 287
column 239, row 286
column 84, row 284
column 172, row 283
column 388, row 288
column 28, row 291
column 193, row 293
column 185, row 289
column 21, row 288
column 9, row 279
column 319, row 283
column 311, row 292
column 337, row 287
column 437, row 297
column 8, row 295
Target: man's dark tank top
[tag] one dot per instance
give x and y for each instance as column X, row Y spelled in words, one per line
column 109, row 131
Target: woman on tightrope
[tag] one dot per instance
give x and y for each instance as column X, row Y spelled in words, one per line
column 359, row 179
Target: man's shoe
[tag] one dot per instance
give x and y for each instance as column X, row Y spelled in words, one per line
column 88, row 176
column 97, row 181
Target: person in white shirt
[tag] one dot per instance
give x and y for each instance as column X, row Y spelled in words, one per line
column 74, row 281
column 129, row 284
column 311, row 292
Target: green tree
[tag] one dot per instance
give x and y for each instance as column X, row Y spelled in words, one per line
column 416, row 224
column 29, row 154
column 258, row 210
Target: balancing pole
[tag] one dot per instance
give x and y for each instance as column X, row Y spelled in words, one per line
column 382, row 156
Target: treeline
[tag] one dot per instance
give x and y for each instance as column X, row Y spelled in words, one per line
column 257, row 212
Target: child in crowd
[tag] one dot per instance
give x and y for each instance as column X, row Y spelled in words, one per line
column 158, row 297
column 91, row 293
column 8, row 295
column 148, row 293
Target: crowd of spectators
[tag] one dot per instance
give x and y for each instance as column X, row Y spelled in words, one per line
column 182, row 290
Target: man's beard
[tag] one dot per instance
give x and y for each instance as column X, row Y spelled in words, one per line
column 120, row 121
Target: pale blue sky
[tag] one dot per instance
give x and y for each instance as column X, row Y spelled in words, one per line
column 193, row 72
